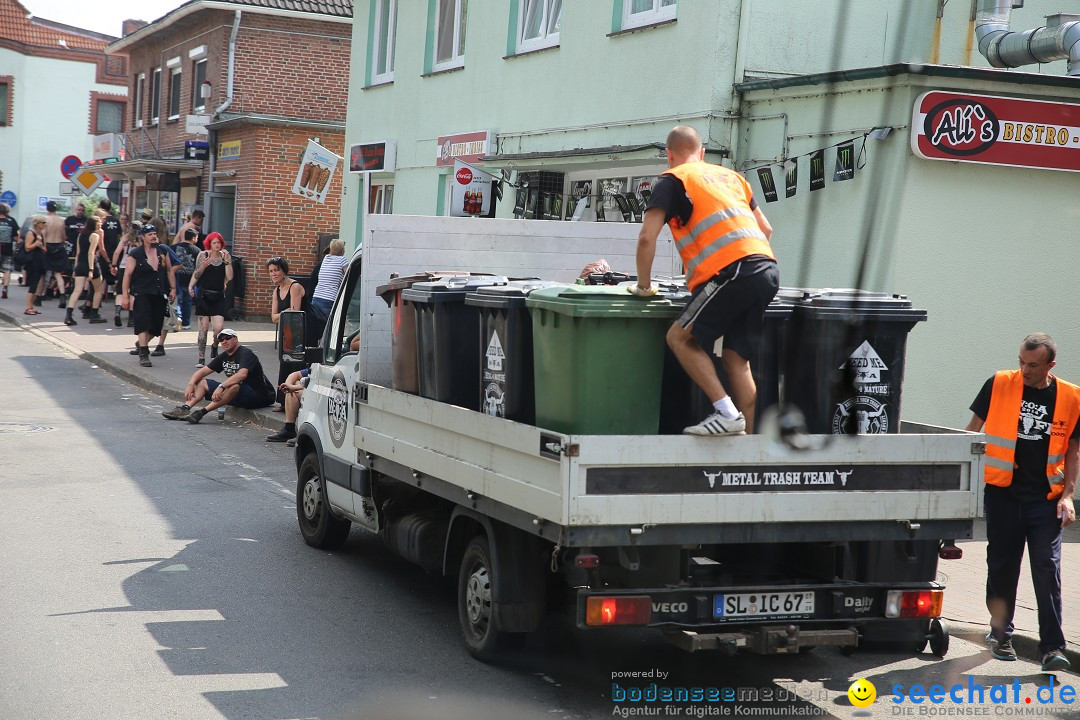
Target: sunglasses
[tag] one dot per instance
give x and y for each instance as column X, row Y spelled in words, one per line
column 223, row 338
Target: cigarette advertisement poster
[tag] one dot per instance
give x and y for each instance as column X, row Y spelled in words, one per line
column 316, row 171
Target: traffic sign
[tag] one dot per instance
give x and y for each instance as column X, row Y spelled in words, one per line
column 68, row 188
column 69, row 165
column 8, row 198
column 87, row 181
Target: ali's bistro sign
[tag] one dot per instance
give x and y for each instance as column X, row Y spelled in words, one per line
column 996, row 130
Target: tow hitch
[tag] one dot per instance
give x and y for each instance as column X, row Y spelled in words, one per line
column 765, row 641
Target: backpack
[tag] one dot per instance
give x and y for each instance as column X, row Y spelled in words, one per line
column 187, row 255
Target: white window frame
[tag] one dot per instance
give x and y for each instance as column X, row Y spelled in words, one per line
column 458, row 58
column 383, row 45
column 176, row 86
column 140, row 96
column 382, row 197
column 198, row 102
column 657, row 14
column 155, row 103
column 546, row 38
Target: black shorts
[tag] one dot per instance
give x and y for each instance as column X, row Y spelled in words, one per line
column 56, row 258
column 209, row 303
column 246, row 397
column 732, row 305
column 149, row 313
column 106, row 272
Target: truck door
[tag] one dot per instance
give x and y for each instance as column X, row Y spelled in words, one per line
column 333, row 381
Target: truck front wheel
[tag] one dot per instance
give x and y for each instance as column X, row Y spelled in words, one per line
column 477, row 608
column 317, row 524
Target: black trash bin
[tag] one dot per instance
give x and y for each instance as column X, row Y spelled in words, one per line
column 403, row 373
column 852, row 345
column 448, row 338
column 506, row 349
column 683, row 403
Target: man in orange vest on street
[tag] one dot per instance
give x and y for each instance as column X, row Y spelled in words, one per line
column 723, row 238
column 1032, row 447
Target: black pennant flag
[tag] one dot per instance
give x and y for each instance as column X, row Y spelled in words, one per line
column 791, row 176
column 768, row 183
column 817, row 170
column 845, row 161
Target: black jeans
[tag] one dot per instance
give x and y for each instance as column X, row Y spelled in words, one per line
column 1010, row 524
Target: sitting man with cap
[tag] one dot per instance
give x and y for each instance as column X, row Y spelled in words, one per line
column 245, row 386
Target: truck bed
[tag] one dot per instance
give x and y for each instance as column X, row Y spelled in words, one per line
column 583, row 490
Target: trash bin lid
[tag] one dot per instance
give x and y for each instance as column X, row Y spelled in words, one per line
column 510, row 295
column 449, row 289
column 404, row 282
column 603, row 301
column 850, row 303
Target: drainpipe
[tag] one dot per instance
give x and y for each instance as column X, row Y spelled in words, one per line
column 1059, row 40
column 228, row 96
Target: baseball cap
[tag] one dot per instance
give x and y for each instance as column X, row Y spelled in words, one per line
column 147, row 228
column 227, row 332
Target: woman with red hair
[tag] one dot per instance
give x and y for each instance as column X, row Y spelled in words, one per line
column 213, row 271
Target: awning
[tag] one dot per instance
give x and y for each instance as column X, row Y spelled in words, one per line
column 137, row 169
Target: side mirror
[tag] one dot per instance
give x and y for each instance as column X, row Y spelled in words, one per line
column 290, row 337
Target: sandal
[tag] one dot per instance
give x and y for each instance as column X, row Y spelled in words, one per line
column 30, row 311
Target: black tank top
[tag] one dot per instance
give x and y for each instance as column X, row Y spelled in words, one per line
column 213, row 277
column 284, row 303
column 146, row 279
column 81, row 257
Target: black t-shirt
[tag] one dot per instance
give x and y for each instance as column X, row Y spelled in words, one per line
column 243, row 358
column 669, row 195
column 73, row 226
column 111, row 232
column 1032, row 438
column 8, row 230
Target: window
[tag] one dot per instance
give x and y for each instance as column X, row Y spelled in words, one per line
column 382, row 60
column 5, row 102
column 110, row 117
column 155, row 96
column 140, row 92
column 538, row 24
column 638, row 13
column 382, row 200
column 198, row 102
column 346, row 320
column 450, row 34
column 174, row 94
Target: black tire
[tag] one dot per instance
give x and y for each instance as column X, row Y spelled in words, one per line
column 939, row 637
column 317, row 524
column 476, row 607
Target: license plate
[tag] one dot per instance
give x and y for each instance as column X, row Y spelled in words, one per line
column 752, row 605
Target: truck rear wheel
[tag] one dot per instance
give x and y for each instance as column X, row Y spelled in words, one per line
column 317, row 524
column 477, row 608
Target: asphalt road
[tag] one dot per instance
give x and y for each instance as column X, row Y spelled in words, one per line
column 153, row 569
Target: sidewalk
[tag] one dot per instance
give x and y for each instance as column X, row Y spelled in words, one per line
column 107, row 346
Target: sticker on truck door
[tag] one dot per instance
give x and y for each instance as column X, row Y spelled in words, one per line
column 337, row 409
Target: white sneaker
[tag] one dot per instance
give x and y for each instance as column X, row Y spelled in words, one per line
column 717, row 424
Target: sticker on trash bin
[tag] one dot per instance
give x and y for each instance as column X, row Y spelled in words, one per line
column 494, row 377
column 494, row 400
column 495, row 354
column 869, row 416
column 866, row 364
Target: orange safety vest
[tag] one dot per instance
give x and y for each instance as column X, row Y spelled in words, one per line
column 722, row 227
column 1001, row 429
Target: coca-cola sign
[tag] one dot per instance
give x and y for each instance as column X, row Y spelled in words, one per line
column 464, row 176
column 995, row 130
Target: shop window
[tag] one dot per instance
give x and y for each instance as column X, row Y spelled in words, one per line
column 538, row 24
column 140, row 95
column 639, row 13
column 198, row 102
column 174, row 94
column 155, row 96
column 450, row 22
column 109, row 116
column 382, row 51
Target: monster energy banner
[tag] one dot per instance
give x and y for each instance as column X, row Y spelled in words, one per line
column 791, row 176
column 845, row 161
column 817, row 170
column 768, row 183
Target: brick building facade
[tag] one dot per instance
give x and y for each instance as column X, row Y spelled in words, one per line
column 290, row 72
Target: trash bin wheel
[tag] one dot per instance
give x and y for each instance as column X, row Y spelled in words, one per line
column 939, row 637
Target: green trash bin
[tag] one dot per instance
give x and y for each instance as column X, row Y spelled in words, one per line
column 598, row 359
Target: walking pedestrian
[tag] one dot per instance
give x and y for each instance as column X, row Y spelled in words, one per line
column 723, row 238
column 188, row 254
column 213, row 272
column 56, row 255
column 245, row 386
column 34, row 269
column 331, row 273
column 1032, row 450
column 87, row 271
column 147, row 274
column 111, row 231
column 128, row 242
column 9, row 236
column 288, row 295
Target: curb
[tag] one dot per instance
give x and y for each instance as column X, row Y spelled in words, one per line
column 263, row 419
column 1027, row 647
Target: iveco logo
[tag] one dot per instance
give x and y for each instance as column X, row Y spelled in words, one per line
column 679, row 607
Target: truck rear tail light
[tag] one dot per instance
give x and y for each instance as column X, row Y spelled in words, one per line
column 621, row 610
column 914, row 603
column 949, row 551
column 587, row 561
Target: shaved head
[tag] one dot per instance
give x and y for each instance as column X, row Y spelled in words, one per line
column 683, row 141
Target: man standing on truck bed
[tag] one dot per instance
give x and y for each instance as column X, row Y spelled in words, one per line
column 1032, row 447
column 723, row 238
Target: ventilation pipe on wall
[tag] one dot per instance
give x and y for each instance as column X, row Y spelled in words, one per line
column 232, row 66
column 1059, row 40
